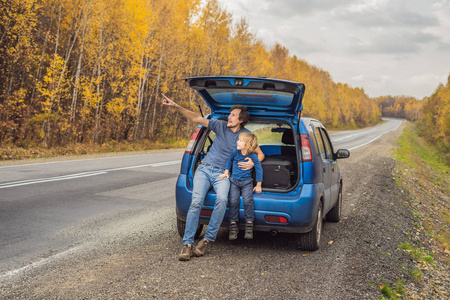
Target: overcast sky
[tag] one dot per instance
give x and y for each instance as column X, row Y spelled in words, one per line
column 396, row 47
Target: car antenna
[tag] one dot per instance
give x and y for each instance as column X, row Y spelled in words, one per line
column 201, row 113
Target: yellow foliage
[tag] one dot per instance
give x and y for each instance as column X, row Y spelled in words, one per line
column 435, row 118
column 116, row 107
column 104, row 63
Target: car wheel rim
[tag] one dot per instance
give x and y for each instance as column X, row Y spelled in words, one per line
column 319, row 223
column 340, row 203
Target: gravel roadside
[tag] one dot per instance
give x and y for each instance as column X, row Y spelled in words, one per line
column 133, row 255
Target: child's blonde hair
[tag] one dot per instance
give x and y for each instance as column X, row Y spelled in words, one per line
column 250, row 140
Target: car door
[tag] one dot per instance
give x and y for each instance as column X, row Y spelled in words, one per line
column 332, row 167
column 326, row 160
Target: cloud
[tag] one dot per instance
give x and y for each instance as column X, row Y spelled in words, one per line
column 302, row 48
column 387, row 17
column 284, row 8
column 382, row 46
column 394, row 43
column 295, row 8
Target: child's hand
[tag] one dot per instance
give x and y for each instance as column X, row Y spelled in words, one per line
column 222, row 176
column 257, row 189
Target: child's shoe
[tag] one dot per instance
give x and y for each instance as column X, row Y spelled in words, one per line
column 234, row 230
column 248, row 231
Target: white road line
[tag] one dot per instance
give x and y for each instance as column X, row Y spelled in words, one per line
column 366, row 143
column 399, row 122
column 70, row 161
column 395, row 129
column 347, row 136
column 80, row 175
column 37, row 264
column 50, row 179
column 161, row 164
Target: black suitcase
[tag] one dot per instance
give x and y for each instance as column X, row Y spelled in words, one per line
column 277, row 173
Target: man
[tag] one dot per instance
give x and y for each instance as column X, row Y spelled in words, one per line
column 207, row 174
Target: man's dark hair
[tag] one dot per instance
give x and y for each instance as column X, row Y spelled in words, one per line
column 243, row 115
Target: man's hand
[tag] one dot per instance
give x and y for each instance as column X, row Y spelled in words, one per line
column 194, row 117
column 166, row 101
column 246, row 165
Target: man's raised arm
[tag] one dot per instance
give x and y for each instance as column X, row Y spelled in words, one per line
column 194, row 117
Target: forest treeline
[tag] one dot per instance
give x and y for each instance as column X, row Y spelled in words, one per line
column 91, row 71
column 431, row 114
column 434, row 121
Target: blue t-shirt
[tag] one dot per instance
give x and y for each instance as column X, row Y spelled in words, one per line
column 239, row 174
column 224, row 143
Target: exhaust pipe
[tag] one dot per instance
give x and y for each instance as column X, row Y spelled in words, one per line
column 273, row 232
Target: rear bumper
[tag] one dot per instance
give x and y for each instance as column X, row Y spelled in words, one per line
column 298, row 206
column 285, row 228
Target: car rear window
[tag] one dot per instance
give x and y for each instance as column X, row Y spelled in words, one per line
column 268, row 133
column 251, row 97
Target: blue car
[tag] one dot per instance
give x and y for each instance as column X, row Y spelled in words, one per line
column 302, row 183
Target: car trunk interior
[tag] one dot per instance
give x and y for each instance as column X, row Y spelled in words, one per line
column 276, row 140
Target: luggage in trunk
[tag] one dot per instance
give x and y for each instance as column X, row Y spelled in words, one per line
column 277, row 172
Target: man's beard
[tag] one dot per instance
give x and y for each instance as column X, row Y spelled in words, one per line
column 233, row 126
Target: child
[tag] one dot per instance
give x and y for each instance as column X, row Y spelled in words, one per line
column 242, row 183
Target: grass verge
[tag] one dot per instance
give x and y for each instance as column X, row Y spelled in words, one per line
column 10, row 152
column 424, row 174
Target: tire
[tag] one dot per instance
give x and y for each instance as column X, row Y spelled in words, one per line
column 181, row 226
column 310, row 241
column 335, row 213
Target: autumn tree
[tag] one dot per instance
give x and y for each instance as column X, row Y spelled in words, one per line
column 400, row 107
column 91, row 71
column 434, row 119
column 17, row 57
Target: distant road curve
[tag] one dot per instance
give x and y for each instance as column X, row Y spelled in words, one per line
column 354, row 139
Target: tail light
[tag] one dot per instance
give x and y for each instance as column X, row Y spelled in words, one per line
column 193, row 140
column 206, row 212
column 306, row 148
column 276, row 219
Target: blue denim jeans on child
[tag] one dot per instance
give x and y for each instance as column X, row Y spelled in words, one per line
column 242, row 188
column 206, row 176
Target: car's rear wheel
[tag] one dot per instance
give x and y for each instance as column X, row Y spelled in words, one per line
column 335, row 214
column 181, row 226
column 310, row 241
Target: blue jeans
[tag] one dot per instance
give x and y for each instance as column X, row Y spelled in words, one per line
column 244, row 188
column 206, row 177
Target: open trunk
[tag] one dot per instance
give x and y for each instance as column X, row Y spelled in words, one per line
column 277, row 141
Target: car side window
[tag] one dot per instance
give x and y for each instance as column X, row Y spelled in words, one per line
column 209, row 141
column 328, row 148
column 314, row 140
column 320, row 145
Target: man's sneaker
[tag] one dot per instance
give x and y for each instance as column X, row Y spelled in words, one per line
column 202, row 247
column 186, row 253
column 248, row 231
column 234, row 230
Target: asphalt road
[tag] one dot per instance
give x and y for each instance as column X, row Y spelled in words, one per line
column 354, row 139
column 39, row 201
